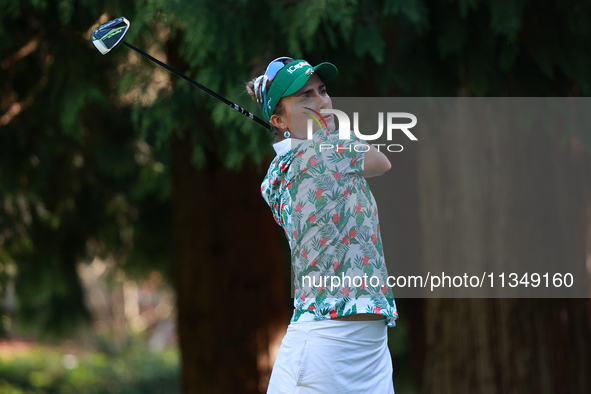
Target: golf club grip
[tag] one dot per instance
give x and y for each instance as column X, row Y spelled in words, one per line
column 229, row 103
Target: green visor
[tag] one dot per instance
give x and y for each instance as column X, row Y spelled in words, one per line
column 292, row 78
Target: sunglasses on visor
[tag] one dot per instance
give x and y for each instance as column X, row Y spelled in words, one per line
column 274, row 67
column 270, row 73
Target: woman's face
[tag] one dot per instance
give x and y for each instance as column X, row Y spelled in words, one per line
column 295, row 117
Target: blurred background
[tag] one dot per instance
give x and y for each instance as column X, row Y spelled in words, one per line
column 137, row 255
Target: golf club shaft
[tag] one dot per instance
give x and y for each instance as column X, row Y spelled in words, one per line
column 229, row 103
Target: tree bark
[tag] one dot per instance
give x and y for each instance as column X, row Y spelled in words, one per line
column 489, row 200
column 231, row 276
column 407, row 258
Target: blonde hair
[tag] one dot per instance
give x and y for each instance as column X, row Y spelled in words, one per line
column 256, row 93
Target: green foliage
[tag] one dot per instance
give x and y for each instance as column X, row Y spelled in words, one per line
column 507, row 17
column 135, row 370
column 74, row 181
column 414, row 13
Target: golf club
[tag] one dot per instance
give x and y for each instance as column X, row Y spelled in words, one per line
column 110, row 35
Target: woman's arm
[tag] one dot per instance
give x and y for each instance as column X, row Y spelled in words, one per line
column 375, row 163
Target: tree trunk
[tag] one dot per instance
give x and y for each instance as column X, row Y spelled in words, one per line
column 231, row 275
column 490, row 199
column 406, row 258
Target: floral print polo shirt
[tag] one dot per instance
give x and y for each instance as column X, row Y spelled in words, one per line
column 317, row 193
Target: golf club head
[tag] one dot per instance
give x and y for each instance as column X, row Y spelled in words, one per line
column 108, row 36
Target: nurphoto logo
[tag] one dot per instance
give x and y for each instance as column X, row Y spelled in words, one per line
column 345, row 128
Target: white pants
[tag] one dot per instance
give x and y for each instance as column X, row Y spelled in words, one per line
column 333, row 356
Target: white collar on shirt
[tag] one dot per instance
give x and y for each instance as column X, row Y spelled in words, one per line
column 284, row 146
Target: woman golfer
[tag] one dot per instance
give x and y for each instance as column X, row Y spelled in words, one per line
column 337, row 339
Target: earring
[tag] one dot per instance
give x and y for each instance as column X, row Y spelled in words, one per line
column 286, row 134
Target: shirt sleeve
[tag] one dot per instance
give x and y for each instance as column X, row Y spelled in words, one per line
column 345, row 156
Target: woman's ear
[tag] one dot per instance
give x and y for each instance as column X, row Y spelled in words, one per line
column 277, row 121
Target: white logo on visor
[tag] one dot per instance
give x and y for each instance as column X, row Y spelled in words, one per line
column 295, row 67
